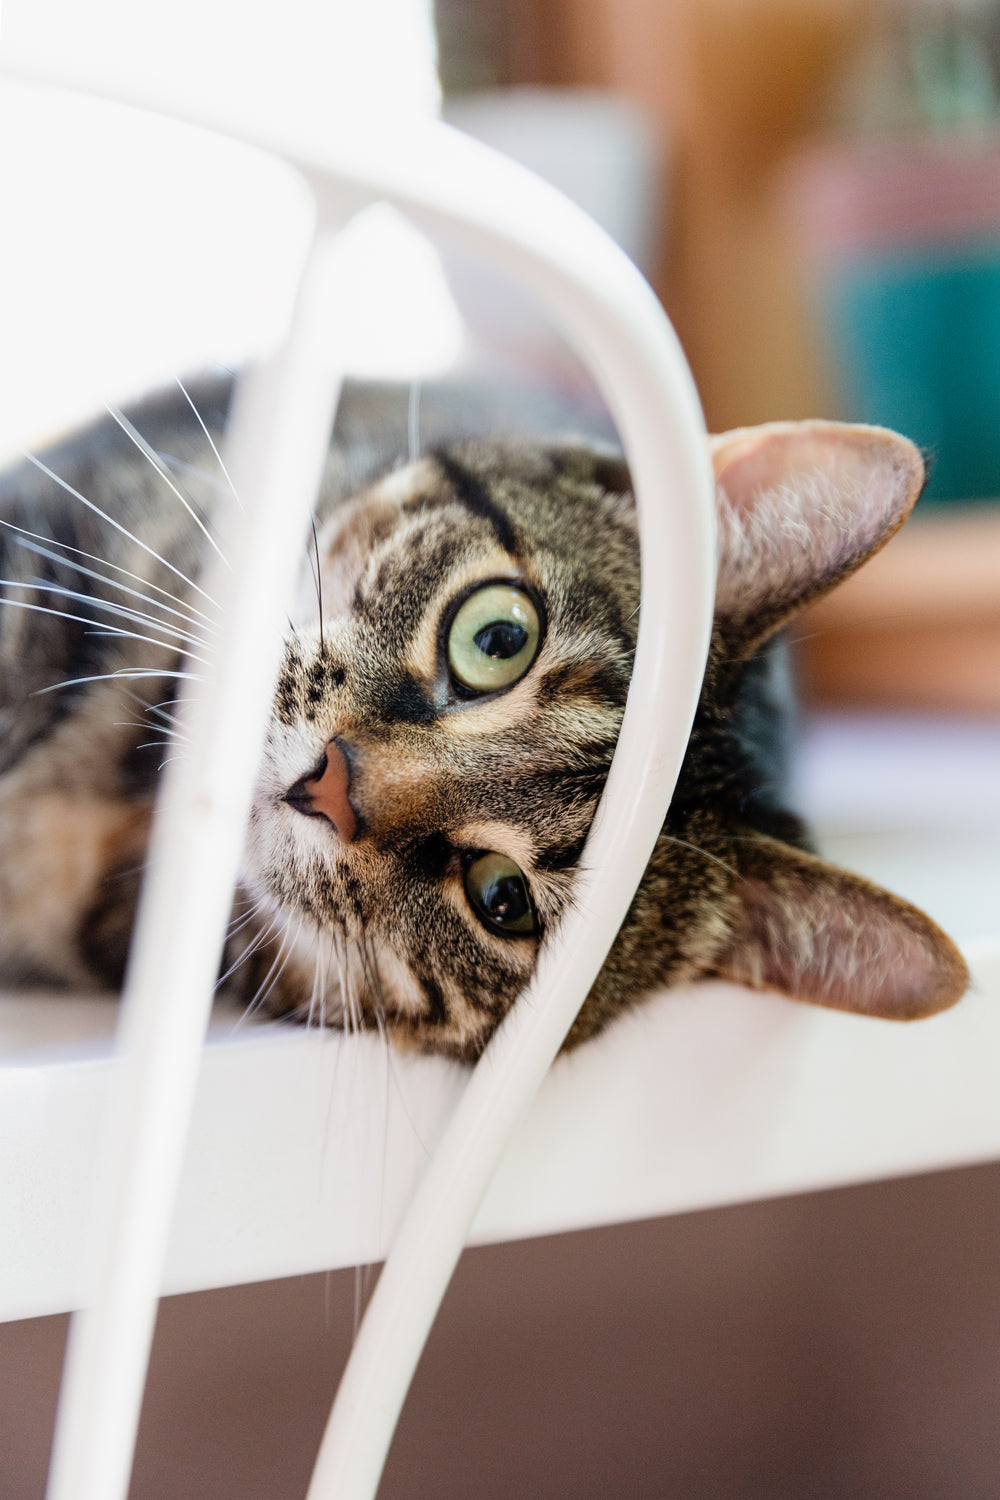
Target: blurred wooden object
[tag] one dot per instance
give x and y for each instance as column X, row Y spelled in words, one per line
column 730, row 85
column 918, row 627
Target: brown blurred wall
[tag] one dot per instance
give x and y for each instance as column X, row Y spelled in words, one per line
column 730, row 85
column 839, row 1346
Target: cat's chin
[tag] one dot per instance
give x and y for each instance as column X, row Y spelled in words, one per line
column 283, row 965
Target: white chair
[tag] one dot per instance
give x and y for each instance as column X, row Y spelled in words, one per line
column 771, row 1078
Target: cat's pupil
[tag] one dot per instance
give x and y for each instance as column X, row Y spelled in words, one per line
column 505, row 898
column 501, row 639
column 498, row 894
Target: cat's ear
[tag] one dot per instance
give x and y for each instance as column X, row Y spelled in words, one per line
column 816, row 933
column 801, row 505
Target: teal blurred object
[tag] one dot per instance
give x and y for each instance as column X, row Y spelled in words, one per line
column 897, row 220
column 915, row 339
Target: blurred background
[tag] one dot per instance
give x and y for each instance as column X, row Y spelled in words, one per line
column 813, row 187
column 817, row 200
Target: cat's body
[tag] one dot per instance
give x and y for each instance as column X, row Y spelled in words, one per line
column 444, row 719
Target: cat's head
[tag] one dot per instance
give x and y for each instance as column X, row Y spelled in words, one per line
column 448, row 709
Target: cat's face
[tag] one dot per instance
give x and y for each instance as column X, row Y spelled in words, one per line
column 438, row 750
column 439, row 746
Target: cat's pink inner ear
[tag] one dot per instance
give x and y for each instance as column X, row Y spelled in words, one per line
column 801, row 504
column 816, row 933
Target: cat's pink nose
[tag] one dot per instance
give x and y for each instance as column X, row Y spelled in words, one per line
column 326, row 795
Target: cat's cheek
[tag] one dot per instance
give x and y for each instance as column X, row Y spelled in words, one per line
column 400, row 994
column 277, row 835
column 269, row 858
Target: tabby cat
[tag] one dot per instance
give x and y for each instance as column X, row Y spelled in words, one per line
column 453, row 683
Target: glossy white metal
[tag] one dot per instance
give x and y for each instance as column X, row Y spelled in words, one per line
column 614, row 320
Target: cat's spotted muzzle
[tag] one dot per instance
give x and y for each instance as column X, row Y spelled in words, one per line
column 325, row 793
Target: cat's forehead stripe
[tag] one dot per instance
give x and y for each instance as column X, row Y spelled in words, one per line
column 471, row 492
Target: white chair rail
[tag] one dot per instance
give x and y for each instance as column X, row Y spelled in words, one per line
column 283, row 411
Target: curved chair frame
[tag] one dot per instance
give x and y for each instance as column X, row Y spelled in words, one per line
column 276, row 448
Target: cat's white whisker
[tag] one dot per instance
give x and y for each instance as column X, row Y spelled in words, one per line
column 400, row 1091
column 181, row 466
column 211, row 442
column 273, row 974
column 341, row 977
column 168, row 723
column 174, row 734
column 189, row 614
column 132, row 635
column 162, row 710
column 380, row 1025
column 121, row 673
column 354, row 1001
column 285, row 956
column 236, row 926
column 259, row 940
column 247, row 954
column 318, row 580
column 344, row 975
column 62, row 614
column 132, row 432
column 329, row 958
column 114, row 630
column 683, row 844
column 246, row 901
column 373, row 978
column 159, row 744
column 318, row 983
column 123, row 530
column 346, row 997
column 105, row 606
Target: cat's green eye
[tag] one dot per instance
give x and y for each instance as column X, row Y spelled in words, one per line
column 498, row 894
column 493, row 638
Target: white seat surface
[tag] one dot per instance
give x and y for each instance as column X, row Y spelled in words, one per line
column 305, row 1146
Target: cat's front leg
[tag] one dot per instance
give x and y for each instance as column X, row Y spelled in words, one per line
column 70, row 870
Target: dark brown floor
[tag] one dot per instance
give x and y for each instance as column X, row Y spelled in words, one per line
column 840, row 1346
